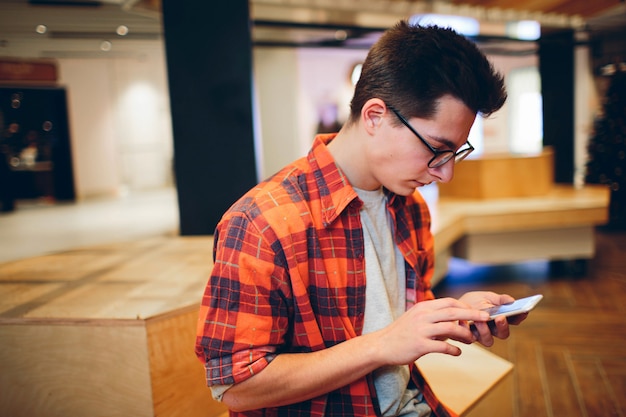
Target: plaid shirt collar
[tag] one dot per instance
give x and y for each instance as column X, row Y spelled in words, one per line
column 337, row 193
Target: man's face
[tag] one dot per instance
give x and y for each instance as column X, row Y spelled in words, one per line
column 398, row 159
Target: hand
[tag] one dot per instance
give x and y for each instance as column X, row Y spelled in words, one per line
column 424, row 329
column 499, row 327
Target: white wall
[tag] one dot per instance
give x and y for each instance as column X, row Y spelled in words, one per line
column 120, row 122
column 276, row 83
column 92, row 125
column 496, row 127
column 324, row 76
column 292, row 86
column 143, row 115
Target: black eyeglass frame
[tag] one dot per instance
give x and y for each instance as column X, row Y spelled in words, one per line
column 448, row 154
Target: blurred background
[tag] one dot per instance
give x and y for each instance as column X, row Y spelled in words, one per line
column 88, row 113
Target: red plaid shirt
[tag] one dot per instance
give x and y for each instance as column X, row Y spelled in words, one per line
column 289, row 276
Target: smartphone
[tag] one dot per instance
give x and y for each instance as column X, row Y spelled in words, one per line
column 522, row 305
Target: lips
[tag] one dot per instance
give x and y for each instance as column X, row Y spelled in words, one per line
column 421, row 184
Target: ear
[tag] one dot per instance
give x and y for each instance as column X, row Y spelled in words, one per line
column 372, row 114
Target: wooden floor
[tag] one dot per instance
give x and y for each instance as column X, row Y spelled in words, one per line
column 570, row 354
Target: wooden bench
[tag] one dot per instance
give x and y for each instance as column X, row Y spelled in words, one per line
column 109, row 330
column 105, row 330
column 556, row 226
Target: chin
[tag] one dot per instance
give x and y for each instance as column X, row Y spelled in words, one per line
column 405, row 191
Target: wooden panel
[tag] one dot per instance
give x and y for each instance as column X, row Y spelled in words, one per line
column 535, row 219
column 128, row 281
column 507, row 247
column 178, row 381
column 73, row 336
column 74, row 369
column 462, row 382
column 18, row 294
column 60, row 267
column 563, row 206
column 498, row 399
column 501, row 176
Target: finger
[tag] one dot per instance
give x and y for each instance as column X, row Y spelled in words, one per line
column 444, row 347
column 490, row 299
column 464, row 323
column 505, row 299
column 452, row 350
column 451, row 330
column 484, row 333
column 474, row 331
column 501, row 328
column 517, row 319
column 471, row 327
column 441, row 303
column 457, row 314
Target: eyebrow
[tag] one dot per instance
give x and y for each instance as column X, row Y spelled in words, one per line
column 446, row 142
column 443, row 141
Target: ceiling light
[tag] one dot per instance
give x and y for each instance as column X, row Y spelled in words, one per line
column 341, row 35
column 528, row 30
column 122, row 30
column 106, row 46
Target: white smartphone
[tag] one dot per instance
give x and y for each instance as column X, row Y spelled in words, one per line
column 522, row 305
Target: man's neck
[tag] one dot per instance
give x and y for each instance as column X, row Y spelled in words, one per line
column 348, row 150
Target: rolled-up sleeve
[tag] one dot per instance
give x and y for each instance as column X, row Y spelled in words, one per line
column 244, row 314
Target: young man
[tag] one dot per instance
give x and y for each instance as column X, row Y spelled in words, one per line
column 319, row 302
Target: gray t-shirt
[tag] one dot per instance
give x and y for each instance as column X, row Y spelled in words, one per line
column 385, row 301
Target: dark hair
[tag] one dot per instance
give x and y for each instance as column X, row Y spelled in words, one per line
column 410, row 67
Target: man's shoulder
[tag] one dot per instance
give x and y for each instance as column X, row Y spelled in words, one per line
column 287, row 190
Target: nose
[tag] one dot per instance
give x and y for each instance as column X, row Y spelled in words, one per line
column 444, row 173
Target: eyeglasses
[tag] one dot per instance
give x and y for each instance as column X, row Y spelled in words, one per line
column 440, row 157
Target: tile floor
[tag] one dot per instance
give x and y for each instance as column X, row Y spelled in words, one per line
column 37, row 228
